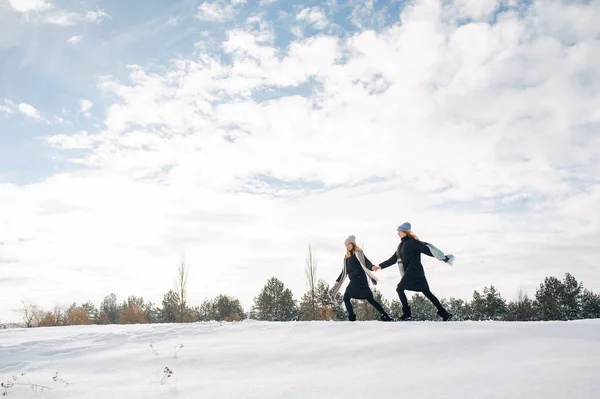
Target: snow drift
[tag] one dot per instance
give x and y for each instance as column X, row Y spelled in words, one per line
column 306, row 360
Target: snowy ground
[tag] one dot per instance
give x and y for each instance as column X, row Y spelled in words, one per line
column 308, row 360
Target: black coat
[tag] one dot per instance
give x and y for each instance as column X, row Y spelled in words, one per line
column 410, row 251
column 359, row 285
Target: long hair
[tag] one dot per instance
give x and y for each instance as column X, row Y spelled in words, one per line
column 354, row 249
column 411, row 234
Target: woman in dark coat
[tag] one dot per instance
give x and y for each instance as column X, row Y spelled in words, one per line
column 357, row 266
column 408, row 256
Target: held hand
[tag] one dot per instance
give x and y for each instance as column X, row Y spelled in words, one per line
column 376, row 267
column 336, row 284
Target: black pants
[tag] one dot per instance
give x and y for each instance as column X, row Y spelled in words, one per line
column 425, row 291
column 369, row 299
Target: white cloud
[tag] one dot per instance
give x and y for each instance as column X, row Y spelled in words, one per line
column 81, row 140
column 74, row 40
column 481, row 135
column 364, row 15
column 96, row 16
column 297, row 31
column 313, row 16
column 85, row 106
column 476, row 10
column 68, row 18
column 6, row 109
column 260, row 29
column 61, row 18
column 25, row 6
column 44, row 11
column 28, row 110
column 219, row 10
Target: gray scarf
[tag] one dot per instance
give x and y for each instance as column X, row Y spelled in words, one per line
column 361, row 259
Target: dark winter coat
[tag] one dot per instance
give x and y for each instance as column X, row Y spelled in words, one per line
column 359, row 285
column 409, row 252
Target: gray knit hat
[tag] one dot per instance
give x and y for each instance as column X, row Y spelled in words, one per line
column 351, row 239
column 404, row 226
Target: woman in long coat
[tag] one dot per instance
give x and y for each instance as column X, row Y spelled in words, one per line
column 357, row 266
column 408, row 256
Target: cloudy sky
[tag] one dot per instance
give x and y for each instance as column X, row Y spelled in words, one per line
column 238, row 132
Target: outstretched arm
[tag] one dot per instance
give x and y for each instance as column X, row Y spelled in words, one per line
column 388, row 262
column 439, row 254
column 421, row 247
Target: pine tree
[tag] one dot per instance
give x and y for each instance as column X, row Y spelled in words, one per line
column 338, row 307
column 221, row 308
column 170, row 306
column 590, row 305
column 275, row 303
column 522, row 309
column 395, row 309
column 227, row 308
column 422, row 308
column 571, row 301
column 328, row 309
column 204, row 312
column 478, row 311
column 495, row 305
column 151, row 312
column 91, row 311
column 110, row 308
column 549, row 296
column 459, row 308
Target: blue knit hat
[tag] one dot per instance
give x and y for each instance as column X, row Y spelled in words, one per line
column 404, row 226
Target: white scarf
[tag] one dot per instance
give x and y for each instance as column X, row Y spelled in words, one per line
column 435, row 251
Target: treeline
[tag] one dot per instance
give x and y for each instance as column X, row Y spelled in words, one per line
column 555, row 299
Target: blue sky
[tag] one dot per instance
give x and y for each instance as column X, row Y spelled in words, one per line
column 37, row 55
column 133, row 132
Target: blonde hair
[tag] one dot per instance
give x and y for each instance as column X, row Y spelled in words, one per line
column 355, row 248
column 411, row 234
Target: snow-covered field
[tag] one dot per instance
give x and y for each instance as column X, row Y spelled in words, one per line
column 307, row 360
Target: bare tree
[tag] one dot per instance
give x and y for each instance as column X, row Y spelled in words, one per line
column 31, row 314
column 310, row 301
column 521, row 295
column 181, row 288
column 59, row 315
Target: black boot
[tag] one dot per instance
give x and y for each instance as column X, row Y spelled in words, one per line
column 386, row 317
column 406, row 315
column 445, row 315
column 352, row 317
